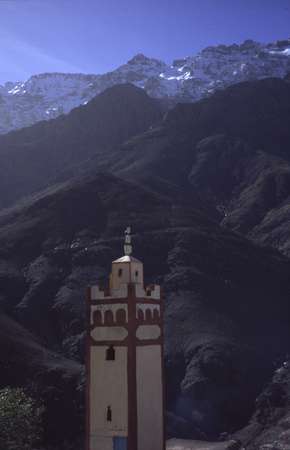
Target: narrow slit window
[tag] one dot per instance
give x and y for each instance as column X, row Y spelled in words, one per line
column 109, row 414
column 136, row 274
column 120, row 272
column 110, row 354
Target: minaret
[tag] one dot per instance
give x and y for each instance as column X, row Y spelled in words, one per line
column 125, row 398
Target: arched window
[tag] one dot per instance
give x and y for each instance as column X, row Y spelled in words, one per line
column 109, row 414
column 148, row 315
column 156, row 314
column 140, row 315
column 136, row 273
column 97, row 317
column 121, row 316
column 109, row 318
column 120, row 273
column 110, row 354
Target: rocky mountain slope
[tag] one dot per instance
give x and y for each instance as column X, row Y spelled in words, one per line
column 48, row 95
column 269, row 427
column 228, row 155
column 33, row 157
column 217, row 285
column 233, row 150
column 242, row 132
column 186, row 184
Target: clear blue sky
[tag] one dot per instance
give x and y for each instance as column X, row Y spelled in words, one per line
column 95, row 36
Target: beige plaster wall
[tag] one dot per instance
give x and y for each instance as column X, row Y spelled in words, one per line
column 108, row 387
column 145, row 332
column 109, row 333
column 98, row 294
column 116, row 281
column 149, row 398
column 154, row 293
column 137, row 267
column 128, row 274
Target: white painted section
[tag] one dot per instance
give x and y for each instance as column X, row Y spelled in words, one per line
column 101, row 443
column 116, row 279
column 109, row 333
column 126, row 272
column 148, row 332
column 108, row 387
column 130, row 273
column 144, row 306
column 137, row 275
column 142, row 293
column 99, row 294
column 149, row 398
column 108, row 307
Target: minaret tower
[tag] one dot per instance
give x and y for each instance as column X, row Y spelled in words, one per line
column 125, row 398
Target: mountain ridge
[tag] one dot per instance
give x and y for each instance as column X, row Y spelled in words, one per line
column 119, row 161
column 66, row 238
column 232, row 159
column 188, row 79
column 48, row 148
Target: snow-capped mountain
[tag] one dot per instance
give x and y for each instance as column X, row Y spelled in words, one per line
column 48, row 95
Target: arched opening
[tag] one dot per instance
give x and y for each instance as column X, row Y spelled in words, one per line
column 148, row 315
column 109, row 414
column 136, row 273
column 110, row 354
column 140, row 315
column 121, row 316
column 109, row 318
column 156, row 314
column 97, row 316
column 120, row 272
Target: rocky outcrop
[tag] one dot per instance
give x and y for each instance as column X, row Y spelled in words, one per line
column 269, row 427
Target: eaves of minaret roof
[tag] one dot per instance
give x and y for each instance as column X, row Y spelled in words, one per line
column 127, row 258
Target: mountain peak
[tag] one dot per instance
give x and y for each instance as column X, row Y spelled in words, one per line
column 140, row 58
column 188, row 79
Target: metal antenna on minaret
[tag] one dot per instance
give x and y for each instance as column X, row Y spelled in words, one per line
column 128, row 242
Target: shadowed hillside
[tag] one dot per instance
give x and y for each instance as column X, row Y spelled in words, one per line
column 232, row 149
column 46, row 374
column 226, row 298
column 31, row 158
column 228, row 154
column 184, row 185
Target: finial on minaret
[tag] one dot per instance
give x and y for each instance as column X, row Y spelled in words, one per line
column 128, row 242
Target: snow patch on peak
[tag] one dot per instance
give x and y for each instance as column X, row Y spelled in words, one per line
column 191, row 78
